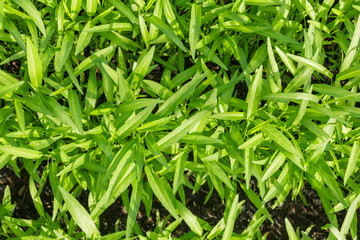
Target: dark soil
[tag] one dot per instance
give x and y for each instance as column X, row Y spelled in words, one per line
column 297, row 212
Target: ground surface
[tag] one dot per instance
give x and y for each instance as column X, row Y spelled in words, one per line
column 299, row 214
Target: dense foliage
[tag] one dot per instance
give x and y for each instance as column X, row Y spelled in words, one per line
column 141, row 100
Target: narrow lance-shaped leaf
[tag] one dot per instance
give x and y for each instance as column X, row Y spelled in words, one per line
column 21, row 152
column 253, row 141
column 354, row 156
column 111, row 27
column 162, row 192
column 84, row 38
column 194, row 29
column 124, row 88
column 327, row 175
column 30, row 9
column 274, row 166
column 124, row 10
column 36, row 198
column 1, row 14
column 104, row 145
column 142, row 68
column 254, row 94
column 350, row 54
column 34, row 64
column 286, row 97
column 75, row 8
column 163, row 27
column 144, row 30
column 218, row 172
column 134, row 123
column 180, row 95
column 249, row 155
column 59, row 111
column 91, row 7
column 20, row 115
column 312, row 64
column 349, row 216
column 179, row 171
column 63, row 54
column 273, row 64
column 181, row 131
column 91, row 60
column 134, row 206
column 348, row 73
column 79, row 214
column 283, row 142
column 230, row 221
column 189, row 218
column 290, row 230
column 12, row 29
column 289, row 64
column 75, row 109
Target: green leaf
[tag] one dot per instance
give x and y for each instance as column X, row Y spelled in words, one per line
column 290, row 230
column 253, row 97
column 163, row 27
column 142, row 68
column 189, row 218
column 162, row 190
column 75, row 8
column 338, row 92
column 352, row 50
column 136, row 104
column 158, row 89
column 9, row 88
column 91, row 7
column 30, row 9
column 194, row 29
column 144, row 30
column 36, row 198
column 234, row 116
column 180, row 95
column 179, row 170
column 84, row 39
column 349, row 216
column 134, row 206
column 252, row 142
column 275, row 135
column 286, row 97
column 20, row 115
column 354, row 157
column 348, row 73
column 315, row 129
column 289, row 64
column 124, row 10
column 90, row 61
column 59, row 112
column 230, row 221
column 110, row 27
column 63, row 54
column 12, row 29
column 34, row 64
column 274, row 166
column 324, row 171
column 21, row 152
column 75, row 109
column 312, row 64
column 181, row 130
column 134, row 122
column 217, row 171
column 79, row 214
column 1, row 14
column 104, row 145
